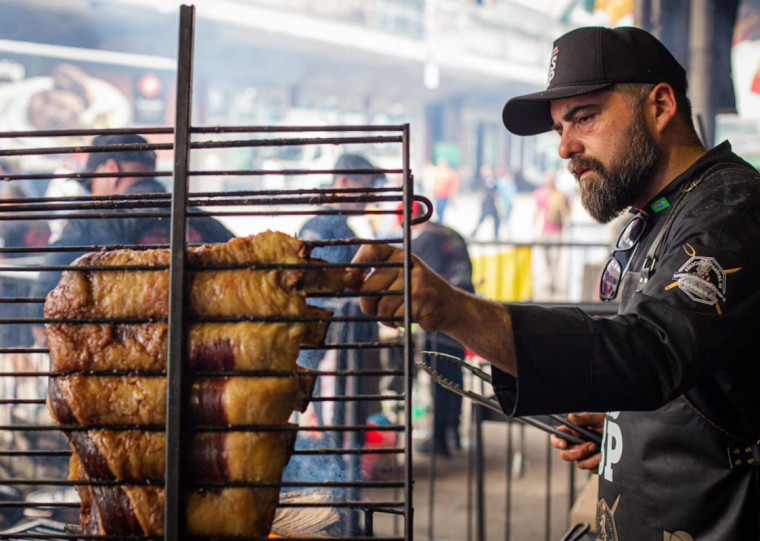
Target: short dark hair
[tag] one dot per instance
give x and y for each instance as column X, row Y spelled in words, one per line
column 357, row 161
column 635, row 93
column 145, row 156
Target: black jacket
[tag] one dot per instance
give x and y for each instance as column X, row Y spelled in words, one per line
column 127, row 231
column 678, row 367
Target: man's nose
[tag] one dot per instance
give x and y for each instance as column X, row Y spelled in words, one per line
column 569, row 145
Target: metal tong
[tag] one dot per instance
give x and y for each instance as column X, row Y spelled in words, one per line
column 586, row 435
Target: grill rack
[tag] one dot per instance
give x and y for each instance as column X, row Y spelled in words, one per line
column 177, row 208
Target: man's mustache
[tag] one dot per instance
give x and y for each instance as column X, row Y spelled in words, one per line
column 578, row 165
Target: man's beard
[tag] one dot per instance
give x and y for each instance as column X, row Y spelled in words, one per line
column 607, row 191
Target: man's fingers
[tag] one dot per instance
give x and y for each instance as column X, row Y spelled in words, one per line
column 354, row 278
column 589, row 420
column 590, row 463
column 558, row 443
column 385, row 279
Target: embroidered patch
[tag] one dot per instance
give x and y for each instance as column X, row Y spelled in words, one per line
column 606, row 529
column 659, row 205
column 702, row 279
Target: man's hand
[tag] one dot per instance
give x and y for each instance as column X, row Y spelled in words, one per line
column 431, row 294
column 586, row 455
column 483, row 326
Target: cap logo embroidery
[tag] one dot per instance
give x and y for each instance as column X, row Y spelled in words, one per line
column 552, row 65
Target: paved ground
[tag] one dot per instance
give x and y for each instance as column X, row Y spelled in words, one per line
column 444, row 499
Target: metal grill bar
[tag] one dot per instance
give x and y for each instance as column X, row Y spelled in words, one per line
column 204, row 428
column 299, row 141
column 195, row 484
column 275, row 129
column 348, row 428
column 175, row 436
column 131, row 202
column 319, row 452
column 85, row 132
column 157, row 268
column 92, row 248
column 202, row 129
column 335, row 398
column 231, row 373
column 409, row 367
column 262, row 373
column 77, row 537
column 205, row 172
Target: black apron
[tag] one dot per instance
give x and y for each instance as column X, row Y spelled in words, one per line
column 658, row 466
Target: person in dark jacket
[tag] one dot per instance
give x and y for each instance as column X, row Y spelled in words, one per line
column 334, row 228
column 676, row 369
column 445, row 251
column 129, row 230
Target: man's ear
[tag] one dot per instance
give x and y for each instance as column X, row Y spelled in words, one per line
column 110, row 166
column 663, row 97
column 340, row 182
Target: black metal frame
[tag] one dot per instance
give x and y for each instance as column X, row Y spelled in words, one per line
column 178, row 210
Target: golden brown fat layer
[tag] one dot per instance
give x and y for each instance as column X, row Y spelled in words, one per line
column 213, row 346
column 214, row 456
column 139, row 510
column 213, row 293
column 145, row 294
column 244, row 512
column 137, row 400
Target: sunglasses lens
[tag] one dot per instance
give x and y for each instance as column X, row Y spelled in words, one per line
column 610, row 279
column 632, row 233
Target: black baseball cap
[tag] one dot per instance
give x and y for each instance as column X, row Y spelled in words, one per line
column 590, row 59
column 139, row 153
column 357, row 161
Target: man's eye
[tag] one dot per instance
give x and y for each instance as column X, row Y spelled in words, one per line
column 584, row 119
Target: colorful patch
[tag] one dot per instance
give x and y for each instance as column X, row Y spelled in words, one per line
column 659, row 205
column 702, row 279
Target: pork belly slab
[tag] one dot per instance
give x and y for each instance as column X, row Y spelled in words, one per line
column 115, row 422
column 94, row 401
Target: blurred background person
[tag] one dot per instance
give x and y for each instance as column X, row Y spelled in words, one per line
column 19, row 233
column 445, row 186
column 445, row 251
column 506, row 185
column 335, row 227
column 489, row 203
column 552, row 211
column 123, row 231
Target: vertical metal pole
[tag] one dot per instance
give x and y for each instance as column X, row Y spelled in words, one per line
column 701, row 87
column 470, row 471
column 433, row 444
column 173, row 511
column 480, row 478
column 548, row 489
column 642, row 14
column 508, row 503
column 571, row 482
column 408, row 366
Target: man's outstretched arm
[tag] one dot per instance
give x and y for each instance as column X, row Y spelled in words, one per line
column 484, row 327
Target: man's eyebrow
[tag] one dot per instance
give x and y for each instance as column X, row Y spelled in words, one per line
column 573, row 112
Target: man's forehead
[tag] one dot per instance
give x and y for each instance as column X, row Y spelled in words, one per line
column 135, row 166
column 561, row 107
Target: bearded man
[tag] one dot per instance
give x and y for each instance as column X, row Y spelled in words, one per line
column 677, row 367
